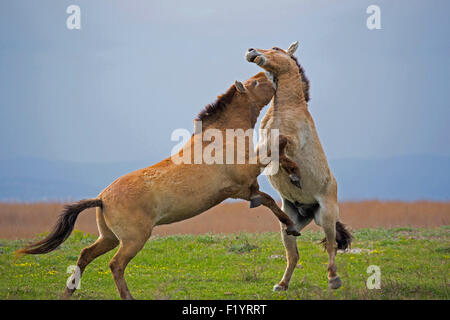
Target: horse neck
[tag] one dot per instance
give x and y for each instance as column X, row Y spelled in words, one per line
column 289, row 94
column 235, row 116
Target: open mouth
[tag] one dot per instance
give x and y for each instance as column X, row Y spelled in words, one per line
column 252, row 56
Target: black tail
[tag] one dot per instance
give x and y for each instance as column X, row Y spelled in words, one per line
column 62, row 229
column 343, row 237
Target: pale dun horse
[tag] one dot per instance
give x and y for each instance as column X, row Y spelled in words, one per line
column 317, row 198
column 129, row 208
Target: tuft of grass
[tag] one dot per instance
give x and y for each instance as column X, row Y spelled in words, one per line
column 241, row 244
column 414, row 264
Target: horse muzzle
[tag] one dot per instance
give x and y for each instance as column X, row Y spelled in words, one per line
column 254, row 56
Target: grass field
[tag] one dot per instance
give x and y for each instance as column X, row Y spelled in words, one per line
column 414, row 264
column 25, row 220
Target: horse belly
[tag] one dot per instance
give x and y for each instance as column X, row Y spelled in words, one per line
column 307, row 152
column 282, row 183
column 185, row 200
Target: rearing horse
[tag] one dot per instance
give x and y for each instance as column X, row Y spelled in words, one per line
column 129, row 208
column 318, row 196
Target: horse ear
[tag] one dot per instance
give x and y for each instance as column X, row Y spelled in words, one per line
column 239, row 86
column 292, row 48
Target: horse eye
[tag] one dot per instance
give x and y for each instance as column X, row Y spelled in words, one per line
column 275, row 48
column 255, row 83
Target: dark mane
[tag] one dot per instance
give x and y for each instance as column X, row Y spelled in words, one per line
column 304, row 79
column 216, row 107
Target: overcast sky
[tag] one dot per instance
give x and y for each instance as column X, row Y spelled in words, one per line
column 116, row 89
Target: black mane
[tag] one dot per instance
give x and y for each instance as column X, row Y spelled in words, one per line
column 217, row 106
column 304, row 79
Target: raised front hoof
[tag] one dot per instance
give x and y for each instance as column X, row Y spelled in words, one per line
column 280, row 287
column 255, row 201
column 293, row 231
column 295, row 180
column 335, row 283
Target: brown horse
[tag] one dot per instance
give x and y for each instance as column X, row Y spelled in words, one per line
column 129, row 208
column 318, row 196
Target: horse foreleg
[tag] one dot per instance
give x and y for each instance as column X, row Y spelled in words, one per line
column 255, row 197
column 287, row 164
column 292, row 170
column 268, row 202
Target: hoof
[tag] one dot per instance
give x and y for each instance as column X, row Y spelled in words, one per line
column 335, row 283
column 292, row 231
column 255, row 201
column 67, row 294
column 279, row 287
column 295, row 180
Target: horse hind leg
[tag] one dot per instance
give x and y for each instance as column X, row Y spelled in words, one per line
column 132, row 239
column 290, row 243
column 106, row 242
column 88, row 254
column 127, row 251
column 292, row 257
column 327, row 216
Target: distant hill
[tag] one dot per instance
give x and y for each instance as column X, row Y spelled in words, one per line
column 400, row 178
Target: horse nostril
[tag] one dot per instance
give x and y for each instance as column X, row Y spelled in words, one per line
column 251, row 49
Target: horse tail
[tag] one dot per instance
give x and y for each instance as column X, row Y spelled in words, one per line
column 62, row 229
column 343, row 237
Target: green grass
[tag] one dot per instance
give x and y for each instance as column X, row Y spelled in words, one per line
column 414, row 265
